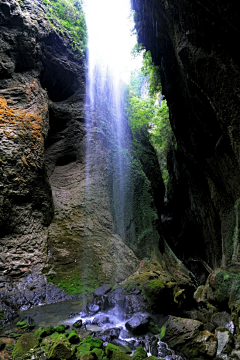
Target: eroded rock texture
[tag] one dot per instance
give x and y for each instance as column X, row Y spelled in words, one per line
column 194, row 45
column 35, row 64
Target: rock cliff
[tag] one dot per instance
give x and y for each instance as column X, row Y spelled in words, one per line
column 194, row 45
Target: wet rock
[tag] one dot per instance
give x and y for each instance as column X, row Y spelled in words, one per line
column 101, row 319
column 83, row 313
column 123, row 345
column 225, row 340
column 116, row 298
column 223, row 319
column 163, row 350
column 78, row 324
column 93, row 309
column 136, row 303
column 138, row 324
column 110, row 334
column 153, row 346
column 101, row 290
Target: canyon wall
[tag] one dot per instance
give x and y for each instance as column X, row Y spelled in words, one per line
column 194, row 43
column 60, row 231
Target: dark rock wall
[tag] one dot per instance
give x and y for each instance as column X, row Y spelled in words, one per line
column 194, row 43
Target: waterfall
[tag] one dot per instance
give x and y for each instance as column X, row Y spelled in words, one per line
column 108, row 61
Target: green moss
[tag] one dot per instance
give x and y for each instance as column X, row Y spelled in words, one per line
column 26, row 342
column 139, row 354
column 82, row 349
column 1, row 315
column 114, row 353
column 14, row 335
column 24, row 325
column 73, row 337
column 59, row 349
column 59, row 328
column 40, row 333
column 10, row 347
column 110, row 348
column 154, row 328
column 163, row 331
column 99, row 353
column 94, row 343
column 153, row 290
column 72, row 283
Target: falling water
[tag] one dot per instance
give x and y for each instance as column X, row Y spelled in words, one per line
column 108, row 61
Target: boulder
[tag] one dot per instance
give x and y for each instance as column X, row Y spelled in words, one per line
column 110, row 334
column 136, row 303
column 223, row 319
column 225, row 340
column 26, row 342
column 186, row 337
column 101, row 290
column 101, row 319
column 138, row 324
column 123, row 345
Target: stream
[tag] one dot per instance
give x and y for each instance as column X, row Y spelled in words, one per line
column 109, row 325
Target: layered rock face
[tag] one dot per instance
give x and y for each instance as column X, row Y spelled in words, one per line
column 194, row 45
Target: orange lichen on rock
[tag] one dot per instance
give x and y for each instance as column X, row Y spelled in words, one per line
column 12, row 120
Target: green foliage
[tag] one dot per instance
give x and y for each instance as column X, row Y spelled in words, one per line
column 145, row 107
column 70, row 16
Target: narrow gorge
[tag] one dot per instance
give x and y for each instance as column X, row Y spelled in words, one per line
column 144, row 265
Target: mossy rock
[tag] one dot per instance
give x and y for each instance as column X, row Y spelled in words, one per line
column 1, row 315
column 140, row 354
column 10, row 347
column 89, row 356
column 113, row 352
column 73, row 337
column 60, row 329
column 59, row 349
column 153, row 358
column 26, row 342
column 82, row 349
column 49, row 330
column 154, row 328
column 99, row 353
column 40, row 333
column 24, row 325
column 94, row 343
